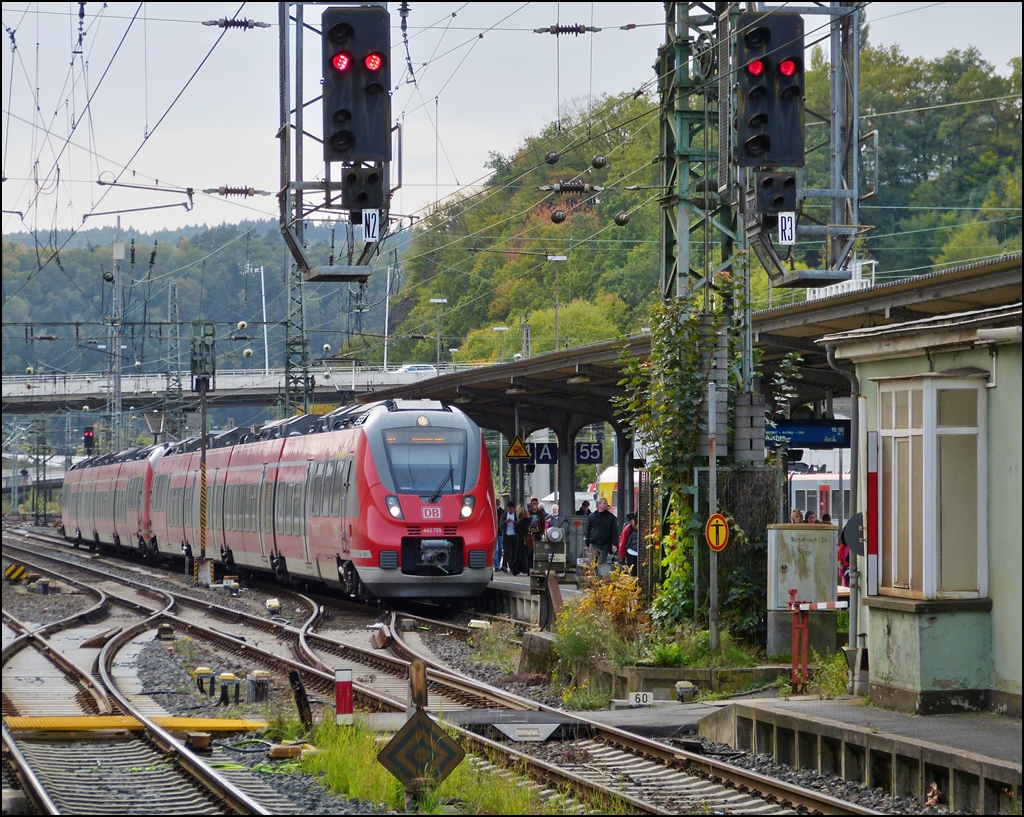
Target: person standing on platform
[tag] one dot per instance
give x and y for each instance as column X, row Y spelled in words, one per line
column 553, row 518
column 537, row 526
column 507, row 536
column 629, row 544
column 601, row 530
column 584, row 508
column 520, row 564
column 810, row 518
column 843, row 560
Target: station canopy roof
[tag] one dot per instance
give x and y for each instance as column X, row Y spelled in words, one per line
column 581, row 382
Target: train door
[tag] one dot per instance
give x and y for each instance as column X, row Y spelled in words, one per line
column 824, row 500
column 215, row 511
column 266, row 513
column 305, row 502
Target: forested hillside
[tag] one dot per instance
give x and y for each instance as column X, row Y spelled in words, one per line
column 949, row 191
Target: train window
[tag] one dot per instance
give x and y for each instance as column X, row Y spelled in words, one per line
column 250, row 516
column 426, row 460
column 268, row 506
column 337, row 486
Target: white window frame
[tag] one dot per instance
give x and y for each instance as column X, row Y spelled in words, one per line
column 931, row 385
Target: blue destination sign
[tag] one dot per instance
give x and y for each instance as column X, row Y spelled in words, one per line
column 808, row 434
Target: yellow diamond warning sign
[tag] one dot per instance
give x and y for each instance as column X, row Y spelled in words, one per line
column 517, row 450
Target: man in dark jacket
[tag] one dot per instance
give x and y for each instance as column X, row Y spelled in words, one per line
column 601, row 530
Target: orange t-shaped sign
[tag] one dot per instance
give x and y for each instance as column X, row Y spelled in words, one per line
column 716, row 531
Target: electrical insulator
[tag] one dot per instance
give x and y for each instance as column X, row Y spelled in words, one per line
column 622, row 219
column 558, row 216
column 599, row 161
column 108, row 276
column 242, row 326
column 247, row 353
column 572, row 187
column 551, row 157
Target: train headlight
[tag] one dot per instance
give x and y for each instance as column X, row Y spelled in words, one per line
column 468, row 503
column 394, row 507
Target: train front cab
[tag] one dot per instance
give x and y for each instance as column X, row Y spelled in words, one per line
column 427, row 514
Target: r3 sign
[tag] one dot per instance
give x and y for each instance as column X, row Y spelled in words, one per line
column 787, row 228
column 590, row 453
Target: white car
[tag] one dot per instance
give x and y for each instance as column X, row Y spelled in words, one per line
column 418, row 368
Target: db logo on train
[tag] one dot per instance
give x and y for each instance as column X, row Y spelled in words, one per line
column 431, row 513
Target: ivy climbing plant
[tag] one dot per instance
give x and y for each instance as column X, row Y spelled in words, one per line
column 663, row 406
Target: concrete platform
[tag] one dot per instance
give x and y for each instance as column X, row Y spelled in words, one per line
column 663, row 721
column 974, row 759
column 510, row 595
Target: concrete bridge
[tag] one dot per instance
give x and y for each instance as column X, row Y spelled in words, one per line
column 47, row 392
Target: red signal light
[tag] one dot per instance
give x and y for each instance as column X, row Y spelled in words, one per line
column 787, row 67
column 374, row 61
column 341, row 61
column 755, row 68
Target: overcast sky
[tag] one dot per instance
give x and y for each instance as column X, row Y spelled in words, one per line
column 473, row 94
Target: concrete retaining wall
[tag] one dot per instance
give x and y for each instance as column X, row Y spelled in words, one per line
column 903, row 766
column 662, row 680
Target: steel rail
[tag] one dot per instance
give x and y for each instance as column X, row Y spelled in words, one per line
column 23, row 770
column 191, row 763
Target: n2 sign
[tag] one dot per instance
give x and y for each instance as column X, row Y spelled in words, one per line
column 590, row 453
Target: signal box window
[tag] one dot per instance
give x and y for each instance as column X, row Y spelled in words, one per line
column 933, row 490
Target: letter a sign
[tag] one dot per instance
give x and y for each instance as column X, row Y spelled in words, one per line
column 716, row 531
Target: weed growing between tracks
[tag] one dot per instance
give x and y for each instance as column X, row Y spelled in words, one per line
column 498, row 645
column 346, row 763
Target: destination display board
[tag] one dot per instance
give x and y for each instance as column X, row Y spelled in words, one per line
column 820, row 434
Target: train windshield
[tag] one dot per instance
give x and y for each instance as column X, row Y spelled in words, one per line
column 427, row 461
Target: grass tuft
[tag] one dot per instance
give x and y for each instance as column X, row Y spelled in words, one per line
column 498, row 645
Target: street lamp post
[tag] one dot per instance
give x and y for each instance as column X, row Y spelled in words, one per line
column 557, row 258
column 440, row 303
column 501, row 341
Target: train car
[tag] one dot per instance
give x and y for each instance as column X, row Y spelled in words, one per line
column 820, row 491
column 389, row 500
column 106, row 500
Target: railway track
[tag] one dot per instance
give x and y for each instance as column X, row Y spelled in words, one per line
column 112, row 772
column 604, row 765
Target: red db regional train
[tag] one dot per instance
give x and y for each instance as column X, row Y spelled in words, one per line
column 388, row 500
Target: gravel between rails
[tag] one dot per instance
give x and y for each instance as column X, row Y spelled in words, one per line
column 458, row 654
column 246, row 600
column 165, row 675
column 39, row 610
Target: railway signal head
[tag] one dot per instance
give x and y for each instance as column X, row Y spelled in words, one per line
column 770, row 90
column 89, row 440
column 356, row 84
